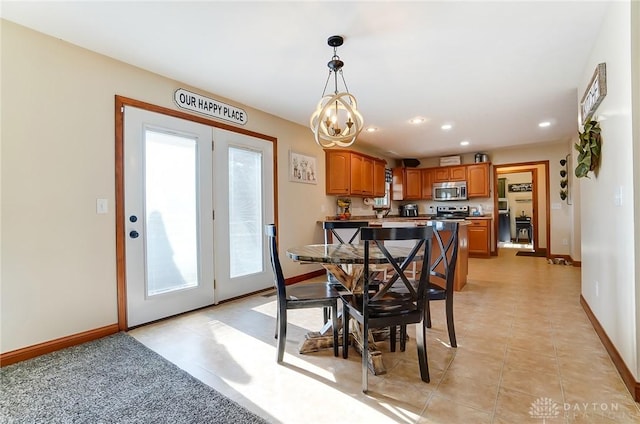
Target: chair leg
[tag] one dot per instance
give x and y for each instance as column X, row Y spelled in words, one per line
column 428, row 316
column 403, row 337
column 326, row 314
column 365, row 356
column 450, row 326
column 334, row 326
column 345, row 332
column 392, row 338
column 275, row 336
column 282, row 332
column 421, row 343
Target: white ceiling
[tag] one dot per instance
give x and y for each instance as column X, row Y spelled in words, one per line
column 492, row 69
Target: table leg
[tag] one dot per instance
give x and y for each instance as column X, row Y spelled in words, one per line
column 350, row 276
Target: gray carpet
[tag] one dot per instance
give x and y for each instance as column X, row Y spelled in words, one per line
column 115, row 379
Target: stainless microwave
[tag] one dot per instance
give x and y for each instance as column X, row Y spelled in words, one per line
column 454, row 190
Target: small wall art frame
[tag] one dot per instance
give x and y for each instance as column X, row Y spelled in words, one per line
column 520, row 187
column 302, row 168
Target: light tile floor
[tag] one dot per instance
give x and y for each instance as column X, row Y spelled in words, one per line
column 526, row 353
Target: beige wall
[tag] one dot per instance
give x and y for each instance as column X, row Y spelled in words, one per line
column 609, row 232
column 58, row 258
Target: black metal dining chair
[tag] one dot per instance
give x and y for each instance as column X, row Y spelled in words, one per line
column 332, row 234
column 386, row 307
column 441, row 279
column 331, row 230
column 298, row 296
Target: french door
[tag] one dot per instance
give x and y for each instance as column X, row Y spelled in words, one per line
column 196, row 199
column 168, row 215
column 244, row 202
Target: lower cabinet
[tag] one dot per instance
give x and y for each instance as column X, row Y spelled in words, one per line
column 479, row 237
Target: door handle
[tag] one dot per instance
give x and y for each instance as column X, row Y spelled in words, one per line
column 134, row 234
column 133, row 218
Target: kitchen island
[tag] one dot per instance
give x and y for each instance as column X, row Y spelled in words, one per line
column 462, row 264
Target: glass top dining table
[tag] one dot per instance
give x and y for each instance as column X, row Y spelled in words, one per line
column 346, row 261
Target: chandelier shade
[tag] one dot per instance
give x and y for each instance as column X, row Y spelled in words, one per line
column 336, row 120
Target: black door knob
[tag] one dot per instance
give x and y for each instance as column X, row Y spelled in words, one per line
column 134, row 234
column 133, row 218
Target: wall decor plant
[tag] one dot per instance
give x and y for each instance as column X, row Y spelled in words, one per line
column 564, row 182
column 588, row 146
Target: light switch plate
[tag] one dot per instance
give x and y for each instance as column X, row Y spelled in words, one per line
column 102, row 206
column 556, row 206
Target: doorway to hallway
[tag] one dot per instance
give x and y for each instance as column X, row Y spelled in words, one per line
column 521, row 202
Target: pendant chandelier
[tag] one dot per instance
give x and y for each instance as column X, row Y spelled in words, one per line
column 336, row 120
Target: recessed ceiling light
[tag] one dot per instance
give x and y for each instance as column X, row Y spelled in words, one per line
column 417, row 120
column 464, row 143
column 446, row 127
column 371, row 129
column 544, row 124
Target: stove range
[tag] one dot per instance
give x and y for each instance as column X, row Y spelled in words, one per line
column 452, row 212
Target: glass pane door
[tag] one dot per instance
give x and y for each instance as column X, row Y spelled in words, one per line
column 245, row 212
column 168, row 215
column 171, row 212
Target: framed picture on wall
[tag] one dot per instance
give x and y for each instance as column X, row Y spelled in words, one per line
column 519, row 188
column 302, row 168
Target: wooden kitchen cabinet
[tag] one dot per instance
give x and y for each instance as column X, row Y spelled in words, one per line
column 427, row 183
column 367, row 177
column 479, row 237
column 357, row 168
column 354, row 174
column 413, row 184
column 449, row 173
column 379, row 178
column 338, row 167
column 478, row 180
column 406, row 184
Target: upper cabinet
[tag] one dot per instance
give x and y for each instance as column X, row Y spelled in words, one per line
column 354, row 174
column 406, row 184
column 449, row 173
column 417, row 183
column 379, row 178
column 338, row 163
column 427, row 183
column 478, row 180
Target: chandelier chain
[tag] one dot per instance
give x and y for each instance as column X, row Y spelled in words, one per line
column 325, row 84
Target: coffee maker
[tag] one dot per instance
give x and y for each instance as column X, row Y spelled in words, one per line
column 409, row 210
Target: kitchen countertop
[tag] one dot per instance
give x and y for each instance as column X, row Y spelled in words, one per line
column 397, row 218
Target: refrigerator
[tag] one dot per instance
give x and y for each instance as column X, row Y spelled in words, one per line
column 504, row 226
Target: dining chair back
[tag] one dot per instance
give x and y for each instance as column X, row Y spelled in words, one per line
column 332, row 230
column 298, row 296
column 442, row 270
column 386, row 307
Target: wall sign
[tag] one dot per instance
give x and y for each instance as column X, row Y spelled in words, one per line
column 518, row 188
column 596, row 91
column 196, row 103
